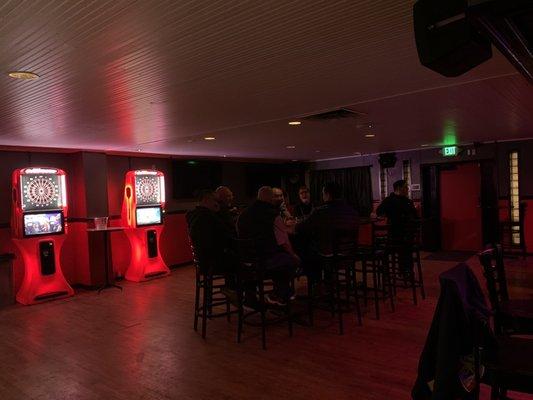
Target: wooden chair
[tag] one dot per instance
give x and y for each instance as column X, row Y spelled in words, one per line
column 503, row 363
column 251, row 272
column 509, row 228
column 510, row 316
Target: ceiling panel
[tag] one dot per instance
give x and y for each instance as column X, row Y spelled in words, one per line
column 158, row 76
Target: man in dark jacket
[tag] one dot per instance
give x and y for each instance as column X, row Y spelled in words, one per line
column 210, row 238
column 262, row 224
column 335, row 221
column 227, row 212
column 402, row 219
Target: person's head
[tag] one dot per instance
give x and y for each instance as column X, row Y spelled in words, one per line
column 303, row 194
column 224, row 196
column 401, row 188
column 277, row 197
column 265, row 194
column 207, row 199
column 331, row 191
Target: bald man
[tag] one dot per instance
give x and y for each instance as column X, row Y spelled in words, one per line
column 279, row 201
column 262, row 224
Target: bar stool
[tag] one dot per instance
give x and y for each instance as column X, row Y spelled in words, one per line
column 251, row 273
column 209, row 294
column 406, row 250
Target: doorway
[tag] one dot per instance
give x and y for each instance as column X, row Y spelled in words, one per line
column 460, row 211
column 459, row 205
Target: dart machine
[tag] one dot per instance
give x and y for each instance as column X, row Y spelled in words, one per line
column 39, row 208
column 142, row 215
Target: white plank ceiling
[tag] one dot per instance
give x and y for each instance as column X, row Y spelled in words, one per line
column 158, row 76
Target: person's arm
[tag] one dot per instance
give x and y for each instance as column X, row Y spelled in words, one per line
column 282, row 237
column 307, row 225
column 383, row 208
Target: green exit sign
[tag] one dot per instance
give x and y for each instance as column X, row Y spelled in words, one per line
column 449, row 151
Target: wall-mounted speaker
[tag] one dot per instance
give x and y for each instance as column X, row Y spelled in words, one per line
column 387, row 160
column 447, row 42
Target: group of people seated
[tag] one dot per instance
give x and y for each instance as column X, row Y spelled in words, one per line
column 287, row 241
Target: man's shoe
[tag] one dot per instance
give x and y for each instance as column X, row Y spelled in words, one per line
column 274, row 300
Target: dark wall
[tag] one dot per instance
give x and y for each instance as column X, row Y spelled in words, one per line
column 498, row 152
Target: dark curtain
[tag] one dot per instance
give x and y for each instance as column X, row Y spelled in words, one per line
column 356, row 186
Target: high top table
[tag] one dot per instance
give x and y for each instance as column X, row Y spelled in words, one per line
column 105, row 233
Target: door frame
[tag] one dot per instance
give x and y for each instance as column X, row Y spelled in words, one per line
column 431, row 206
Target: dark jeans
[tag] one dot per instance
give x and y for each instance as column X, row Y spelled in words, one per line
column 281, row 268
column 226, row 264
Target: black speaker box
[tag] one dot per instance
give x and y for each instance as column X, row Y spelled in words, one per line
column 446, row 42
column 387, row 160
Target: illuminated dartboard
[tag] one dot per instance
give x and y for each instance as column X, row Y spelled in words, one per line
column 147, row 189
column 40, row 192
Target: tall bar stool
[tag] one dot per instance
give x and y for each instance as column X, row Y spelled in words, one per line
column 338, row 269
column 407, row 250
column 251, row 273
column 209, row 295
column 374, row 262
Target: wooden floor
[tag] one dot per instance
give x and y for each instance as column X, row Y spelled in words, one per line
column 139, row 344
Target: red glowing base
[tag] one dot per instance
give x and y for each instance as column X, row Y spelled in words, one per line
column 37, row 287
column 142, row 267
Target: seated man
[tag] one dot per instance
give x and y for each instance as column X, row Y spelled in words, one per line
column 334, row 221
column 227, row 212
column 304, row 206
column 401, row 216
column 211, row 239
column 262, row 224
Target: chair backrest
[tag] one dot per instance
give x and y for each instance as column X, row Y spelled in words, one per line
column 494, row 272
column 453, row 337
column 247, row 252
column 380, row 234
column 344, row 240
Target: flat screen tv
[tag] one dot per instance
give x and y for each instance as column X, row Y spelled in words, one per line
column 191, row 176
column 44, row 223
column 148, row 216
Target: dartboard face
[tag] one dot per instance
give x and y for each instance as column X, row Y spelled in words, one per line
column 40, row 192
column 147, row 190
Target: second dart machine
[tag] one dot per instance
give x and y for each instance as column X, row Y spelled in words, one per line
column 142, row 215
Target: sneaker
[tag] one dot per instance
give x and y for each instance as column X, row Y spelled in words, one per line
column 274, row 300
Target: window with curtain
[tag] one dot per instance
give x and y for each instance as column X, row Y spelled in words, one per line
column 356, row 185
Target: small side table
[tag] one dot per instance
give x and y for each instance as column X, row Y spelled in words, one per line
column 7, row 295
column 105, row 233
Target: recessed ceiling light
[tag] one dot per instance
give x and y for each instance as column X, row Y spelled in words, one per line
column 424, row 145
column 370, row 135
column 317, row 151
column 294, row 160
column 357, row 153
column 295, row 123
column 138, row 149
column 210, row 138
column 26, row 75
column 290, row 147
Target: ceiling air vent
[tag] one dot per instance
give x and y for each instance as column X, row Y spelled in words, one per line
column 338, row 114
